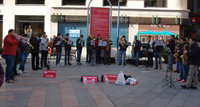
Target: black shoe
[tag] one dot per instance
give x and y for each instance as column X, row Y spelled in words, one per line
column 193, row 87
column 69, row 64
column 38, row 68
column 155, row 68
column 119, row 63
column 124, row 64
column 184, row 86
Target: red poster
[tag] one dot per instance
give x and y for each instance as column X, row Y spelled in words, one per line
column 100, row 22
column 49, row 74
column 89, row 79
column 110, row 78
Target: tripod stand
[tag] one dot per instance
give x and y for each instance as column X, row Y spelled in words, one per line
column 168, row 80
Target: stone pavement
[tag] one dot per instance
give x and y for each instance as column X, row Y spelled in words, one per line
column 31, row 90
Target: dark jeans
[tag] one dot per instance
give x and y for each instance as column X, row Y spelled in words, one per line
column 157, row 56
column 44, row 58
column 184, row 69
column 35, row 56
column 23, row 57
column 79, row 52
column 137, row 56
column 150, row 59
column 170, row 61
column 89, row 56
column 98, row 55
column 67, row 56
column 121, row 54
column 107, row 55
column 58, row 57
column 10, row 63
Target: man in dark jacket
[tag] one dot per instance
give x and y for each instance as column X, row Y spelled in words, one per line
column 79, row 46
column 58, row 44
column 171, row 46
column 107, row 51
column 89, row 49
column 68, row 44
column 137, row 50
column 35, row 44
column 11, row 42
column 193, row 54
column 123, row 46
column 158, row 46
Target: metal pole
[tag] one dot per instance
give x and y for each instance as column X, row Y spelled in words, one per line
column 118, row 25
column 118, row 30
column 88, row 18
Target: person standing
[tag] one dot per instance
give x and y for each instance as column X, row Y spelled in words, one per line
column 171, row 47
column 150, row 52
column 137, row 50
column 183, row 74
column 44, row 49
column 79, row 46
column 193, row 54
column 24, row 51
column 98, row 49
column 11, row 42
column 158, row 46
column 58, row 44
column 89, row 49
column 123, row 46
column 68, row 44
column 35, row 44
column 107, row 51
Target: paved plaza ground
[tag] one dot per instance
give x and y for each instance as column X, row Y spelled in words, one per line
column 32, row 90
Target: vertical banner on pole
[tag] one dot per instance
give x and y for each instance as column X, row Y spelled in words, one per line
column 100, row 22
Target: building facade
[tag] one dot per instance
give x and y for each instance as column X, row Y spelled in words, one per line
column 61, row 16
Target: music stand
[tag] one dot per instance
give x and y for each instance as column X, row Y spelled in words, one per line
column 168, row 80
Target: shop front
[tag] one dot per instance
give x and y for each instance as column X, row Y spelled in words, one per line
column 29, row 24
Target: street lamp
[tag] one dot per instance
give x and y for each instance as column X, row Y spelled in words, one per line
column 119, row 1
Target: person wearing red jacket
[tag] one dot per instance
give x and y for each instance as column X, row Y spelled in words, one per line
column 11, row 42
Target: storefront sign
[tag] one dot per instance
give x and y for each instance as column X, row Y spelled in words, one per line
column 195, row 19
column 100, row 22
column 74, row 33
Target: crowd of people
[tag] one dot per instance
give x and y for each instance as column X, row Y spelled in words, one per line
column 184, row 51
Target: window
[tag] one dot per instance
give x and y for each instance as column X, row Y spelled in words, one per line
column 73, row 2
column 1, row 1
column 29, row 24
column 198, row 4
column 29, row 1
column 114, row 3
column 155, row 3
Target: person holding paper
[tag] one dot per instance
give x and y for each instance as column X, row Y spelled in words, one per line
column 107, row 50
column 35, row 44
column 44, row 49
column 79, row 46
column 58, row 44
column 68, row 44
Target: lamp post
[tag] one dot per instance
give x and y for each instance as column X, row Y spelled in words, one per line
column 119, row 1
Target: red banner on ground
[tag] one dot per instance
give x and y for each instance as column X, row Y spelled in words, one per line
column 89, row 79
column 49, row 74
column 110, row 78
column 100, row 22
